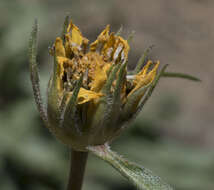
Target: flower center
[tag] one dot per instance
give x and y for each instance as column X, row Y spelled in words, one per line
column 91, row 65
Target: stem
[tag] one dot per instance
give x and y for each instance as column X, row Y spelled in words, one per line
column 77, row 170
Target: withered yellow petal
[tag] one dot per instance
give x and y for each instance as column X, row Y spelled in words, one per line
column 108, row 47
column 59, row 48
column 143, row 72
column 59, row 73
column 87, row 95
column 153, row 72
column 143, row 79
column 116, row 48
column 101, row 39
column 100, row 77
column 68, row 42
column 97, row 72
column 76, row 35
column 104, row 35
column 125, row 47
column 61, row 61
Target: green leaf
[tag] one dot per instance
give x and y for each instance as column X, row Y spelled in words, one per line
column 103, row 116
column 180, row 75
column 150, row 91
column 145, row 99
column 34, row 73
column 119, row 82
column 130, row 37
column 142, row 60
column 69, row 115
column 54, row 94
column 65, row 26
column 141, row 177
column 129, row 107
column 112, row 75
column 113, row 102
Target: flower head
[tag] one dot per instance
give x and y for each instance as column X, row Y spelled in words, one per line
column 91, row 96
column 90, row 93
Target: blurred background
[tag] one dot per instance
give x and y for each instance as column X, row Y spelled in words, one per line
column 174, row 134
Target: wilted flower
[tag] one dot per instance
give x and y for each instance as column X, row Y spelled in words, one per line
column 91, row 96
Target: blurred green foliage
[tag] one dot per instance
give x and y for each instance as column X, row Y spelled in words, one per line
column 31, row 159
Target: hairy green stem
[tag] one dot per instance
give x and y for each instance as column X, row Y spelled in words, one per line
column 77, row 170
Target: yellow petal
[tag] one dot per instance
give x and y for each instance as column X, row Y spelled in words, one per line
column 104, row 35
column 76, row 36
column 68, row 46
column 61, row 61
column 101, row 39
column 97, row 70
column 143, row 72
column 100, row 78
column 143, row 79
column 153, row 72
column 87, row 95
column 59, row 48
column 121, row 49
column 59, row 73
column 116, row 49
column 108, row 48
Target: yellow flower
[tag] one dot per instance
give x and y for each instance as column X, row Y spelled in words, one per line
column 90, row 93
column 92, row 96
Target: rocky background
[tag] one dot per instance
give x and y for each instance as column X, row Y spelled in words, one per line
column 174, row 135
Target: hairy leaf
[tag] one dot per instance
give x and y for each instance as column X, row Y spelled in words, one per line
column 180, row 75
column 34, row 73
column 141, row 177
